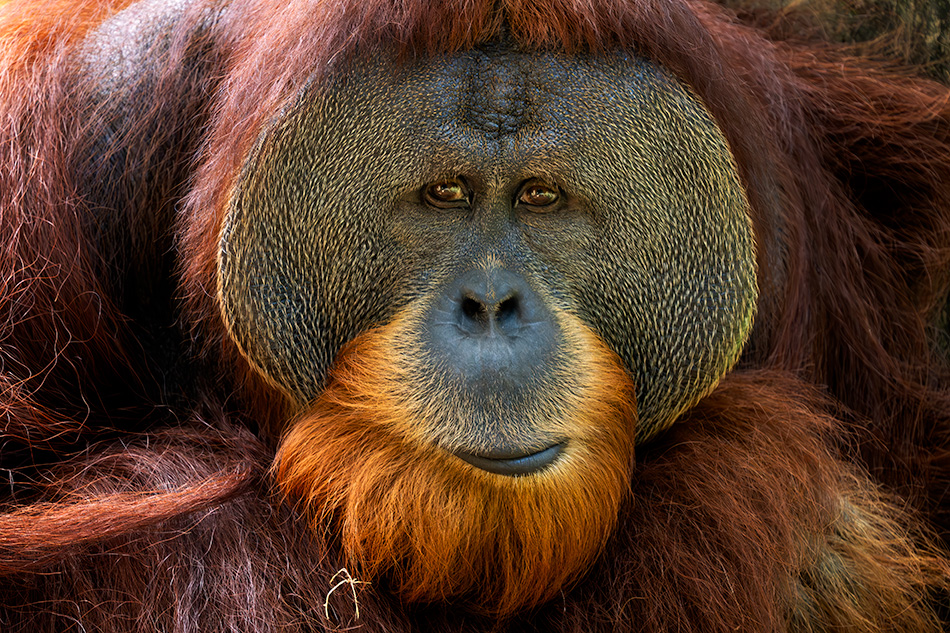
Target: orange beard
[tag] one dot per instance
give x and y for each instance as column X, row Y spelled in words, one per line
column 362, row 466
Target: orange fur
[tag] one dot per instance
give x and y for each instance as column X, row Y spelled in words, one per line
column 136, row 507
column 28, row 32
column 361, row 462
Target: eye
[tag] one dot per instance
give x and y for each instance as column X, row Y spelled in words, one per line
column 538, row 194
column 446, row 194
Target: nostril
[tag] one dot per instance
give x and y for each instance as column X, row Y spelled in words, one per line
column 474, row 310
column 508, row 310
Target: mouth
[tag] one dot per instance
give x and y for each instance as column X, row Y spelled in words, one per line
column 513, row 465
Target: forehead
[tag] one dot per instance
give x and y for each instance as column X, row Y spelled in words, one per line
column 502, row 94
column 498, row 109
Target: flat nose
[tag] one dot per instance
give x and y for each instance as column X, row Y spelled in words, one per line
column 491, row 302
column 490, row 325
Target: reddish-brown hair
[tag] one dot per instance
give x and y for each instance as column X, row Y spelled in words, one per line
column 836, row 152
column 139, row 507
column 359, row 464
column 741, row 518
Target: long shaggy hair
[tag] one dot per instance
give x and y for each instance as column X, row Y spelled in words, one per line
column 740, row 519
column 436, row 527
column 845, row 160
column 138, row 448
